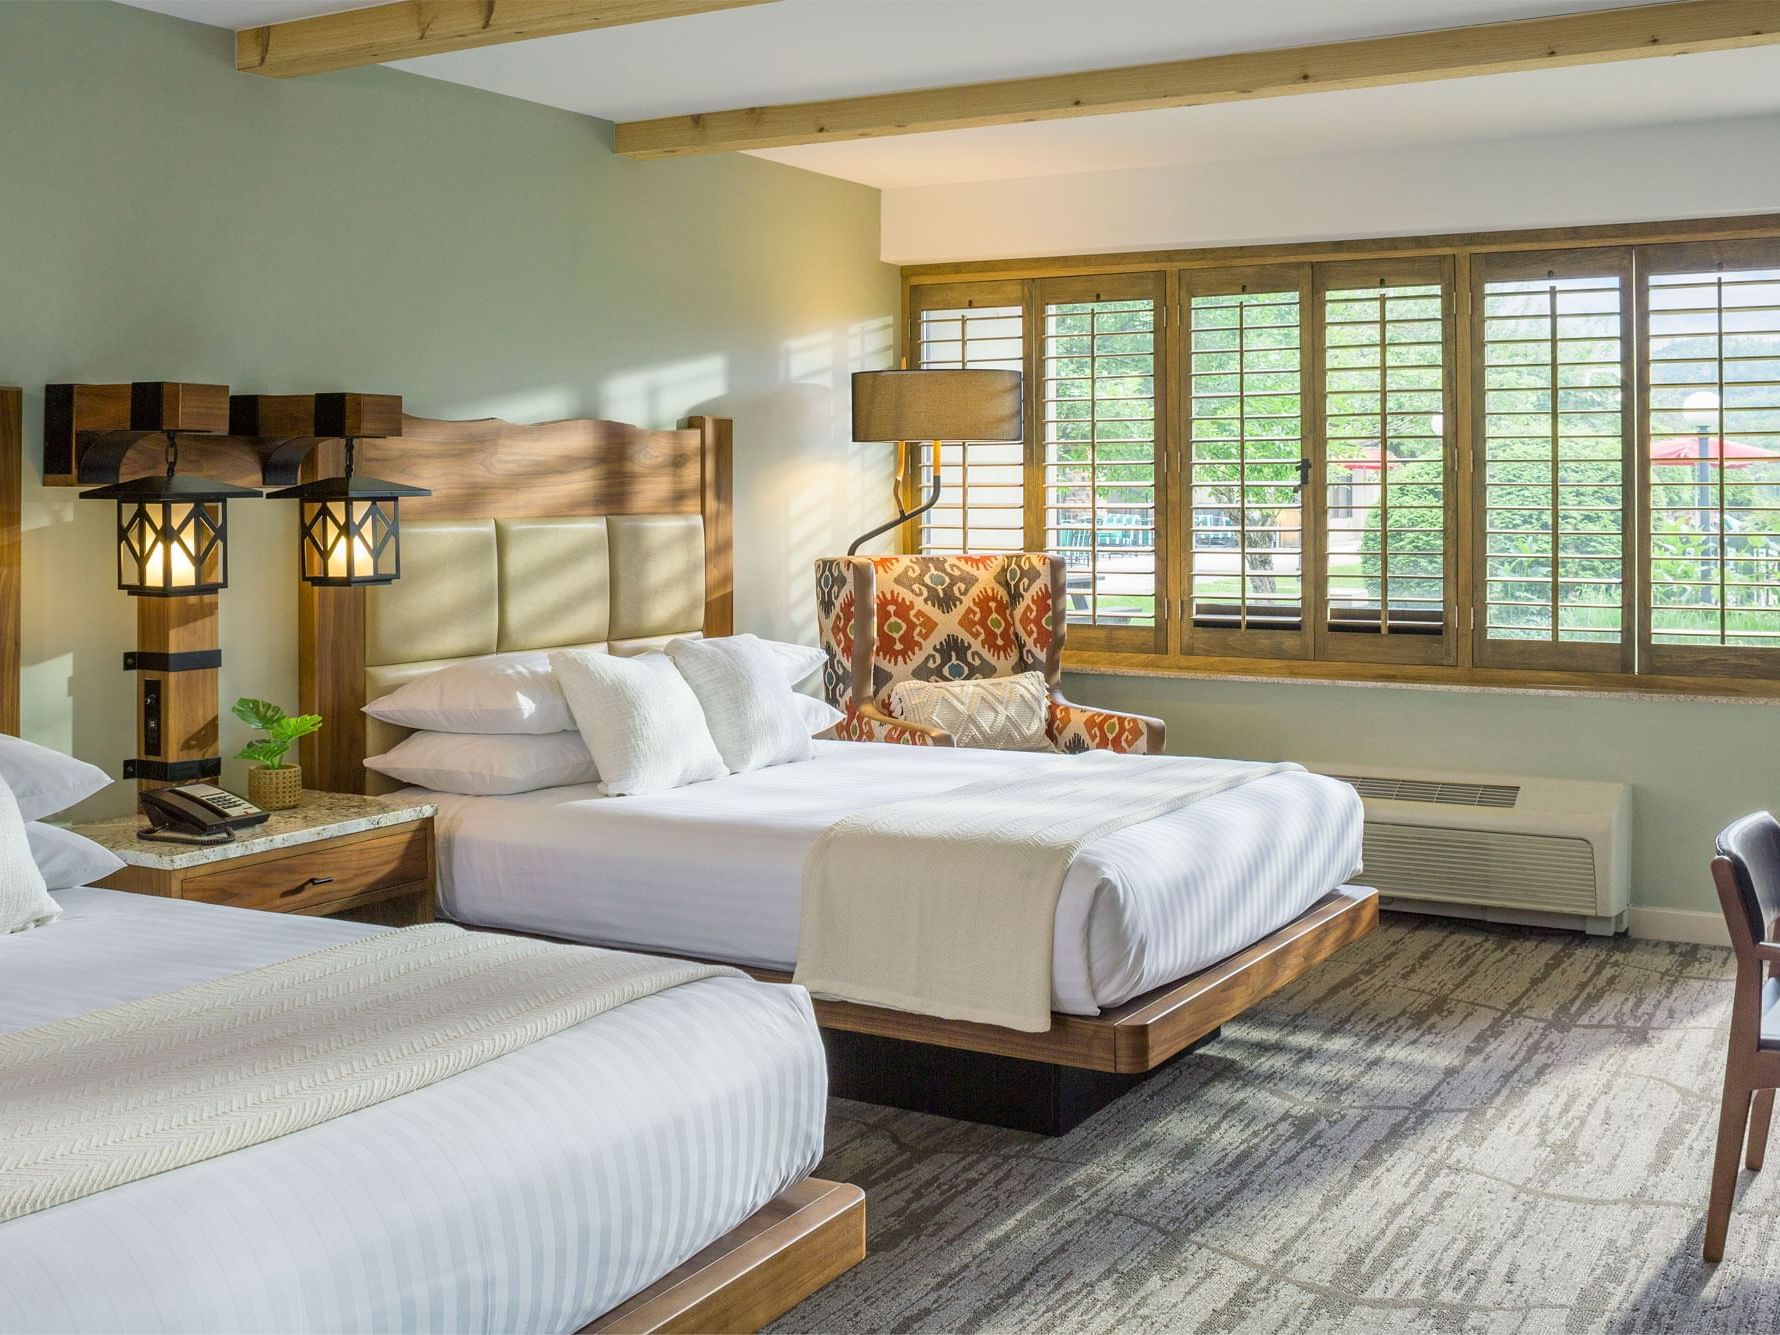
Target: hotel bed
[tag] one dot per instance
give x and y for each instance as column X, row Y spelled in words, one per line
column 712, row 870
column 603, row 536
column 533, row 1192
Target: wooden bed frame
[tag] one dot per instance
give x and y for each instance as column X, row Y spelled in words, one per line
column 804, row 1237
column 1045, row 1082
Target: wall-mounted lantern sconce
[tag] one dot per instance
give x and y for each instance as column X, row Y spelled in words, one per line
column 350, row 531
column 172, row 530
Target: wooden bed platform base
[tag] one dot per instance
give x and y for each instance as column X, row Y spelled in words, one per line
column 1051, row 1082
column 768, row 1264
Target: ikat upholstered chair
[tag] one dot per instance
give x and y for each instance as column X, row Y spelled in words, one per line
column 888, row 619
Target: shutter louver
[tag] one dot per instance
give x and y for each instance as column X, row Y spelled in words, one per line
column 982, row 484
column 1247, row 463
column 1712, row 459
column 1387, row 541
column 1098, row 409
column 1551, row 438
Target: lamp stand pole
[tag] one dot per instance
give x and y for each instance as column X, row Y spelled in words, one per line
column 902, row 516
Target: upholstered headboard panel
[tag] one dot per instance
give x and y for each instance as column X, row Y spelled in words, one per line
column 640, row 556
column 472, row 587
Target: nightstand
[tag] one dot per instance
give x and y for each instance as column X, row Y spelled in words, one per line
column 334, row 854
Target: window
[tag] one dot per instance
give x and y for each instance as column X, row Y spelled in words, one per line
column 1387, row 544
column 981, row 327
column 1098, row 414
column 1248, row 463
column 1512, row 459
column 1713, row 458
column 1552, row 439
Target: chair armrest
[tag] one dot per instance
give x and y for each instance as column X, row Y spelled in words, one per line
column 1768, row 951
column 869, row 724
column 1080, row 728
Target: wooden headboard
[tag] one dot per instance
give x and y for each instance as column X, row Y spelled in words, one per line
column 11, row 586
column 491, row 470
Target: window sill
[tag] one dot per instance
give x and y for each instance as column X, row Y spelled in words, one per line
column 1407, row 677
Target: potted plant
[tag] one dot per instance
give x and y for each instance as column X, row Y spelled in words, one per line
column 272, row 784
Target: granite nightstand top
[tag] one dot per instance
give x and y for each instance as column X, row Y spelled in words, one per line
column 318, row 816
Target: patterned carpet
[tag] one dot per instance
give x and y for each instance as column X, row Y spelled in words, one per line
column 1445, row 1128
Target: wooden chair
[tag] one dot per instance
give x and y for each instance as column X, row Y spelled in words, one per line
column 1747, row 871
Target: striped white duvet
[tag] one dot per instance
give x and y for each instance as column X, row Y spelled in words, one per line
column 529, row 1194
column 715, row 870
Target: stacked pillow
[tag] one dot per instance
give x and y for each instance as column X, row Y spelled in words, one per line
column 35, row 858
column 517, row 722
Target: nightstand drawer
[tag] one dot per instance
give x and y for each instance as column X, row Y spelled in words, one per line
column 318, row 873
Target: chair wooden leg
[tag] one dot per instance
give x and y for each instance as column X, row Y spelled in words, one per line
column 1733, row 1118
column 1760, row 1117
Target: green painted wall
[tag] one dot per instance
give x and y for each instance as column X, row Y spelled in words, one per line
column 165, row 218
column 1693, row 766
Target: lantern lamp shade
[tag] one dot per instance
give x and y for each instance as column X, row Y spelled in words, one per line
column 172, row 533
column 937, row 405
column 350, row 531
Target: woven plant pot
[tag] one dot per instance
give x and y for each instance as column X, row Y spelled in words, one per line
column 275, row 789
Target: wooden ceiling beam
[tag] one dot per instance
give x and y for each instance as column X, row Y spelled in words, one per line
column 410, row 28
column 1589, row 38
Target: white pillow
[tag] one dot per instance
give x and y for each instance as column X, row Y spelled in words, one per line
column 24, row 900
column 797, row 661
column 816, row 715
column 998, row 713
column 43, row 781
column 67, row 859
column 641, row 721
column 502, row 693
column 517, row 693
column 749, row 708
column 481, row 764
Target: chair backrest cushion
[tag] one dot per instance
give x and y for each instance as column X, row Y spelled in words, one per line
column 937, row 618
column 1753, row 847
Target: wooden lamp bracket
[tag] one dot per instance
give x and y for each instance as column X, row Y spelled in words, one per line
column 95, row 435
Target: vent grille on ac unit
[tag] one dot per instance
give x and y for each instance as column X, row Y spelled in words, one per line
column 1434, row 790
column 1549, row 873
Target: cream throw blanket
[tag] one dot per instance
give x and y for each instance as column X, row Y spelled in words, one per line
column 946, row 904
column 134, row 1090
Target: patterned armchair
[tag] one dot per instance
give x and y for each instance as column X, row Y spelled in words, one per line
column 886, row 619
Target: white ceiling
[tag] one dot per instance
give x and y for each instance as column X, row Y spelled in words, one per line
column 797, row 50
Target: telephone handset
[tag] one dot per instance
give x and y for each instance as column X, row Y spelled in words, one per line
column 196, row 813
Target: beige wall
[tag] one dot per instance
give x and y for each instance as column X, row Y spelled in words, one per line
column 165, row 218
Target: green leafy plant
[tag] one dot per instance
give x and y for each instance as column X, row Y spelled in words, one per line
column 281, row 729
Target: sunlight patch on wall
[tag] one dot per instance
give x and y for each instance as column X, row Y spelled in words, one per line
column 659, row 396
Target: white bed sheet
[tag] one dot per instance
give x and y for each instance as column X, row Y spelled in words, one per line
column 529, row 1194
column 714, row 870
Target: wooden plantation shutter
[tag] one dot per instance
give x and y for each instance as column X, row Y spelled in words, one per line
column 1385, row 432
column 1711, row 458
column 972, row 326
column 1553, row 449
column 1247, row 461
column 1097, row 403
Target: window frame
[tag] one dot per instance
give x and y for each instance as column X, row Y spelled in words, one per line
column 1682, row 660
column 1179, row 649
column 1331, row 646
column 961, row 296
column 1526, row 265
column 1244, row 642
column 1089, row 636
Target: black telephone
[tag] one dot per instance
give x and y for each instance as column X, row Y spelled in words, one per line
column 196, row 813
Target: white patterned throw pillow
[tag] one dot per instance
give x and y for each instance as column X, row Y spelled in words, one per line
column 996, row 713
column 24, row 902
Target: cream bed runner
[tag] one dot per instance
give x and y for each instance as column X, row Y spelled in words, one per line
column 946, row 904
column 124, row 1093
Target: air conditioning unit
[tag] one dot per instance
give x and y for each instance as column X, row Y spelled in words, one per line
column 1545, row 852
